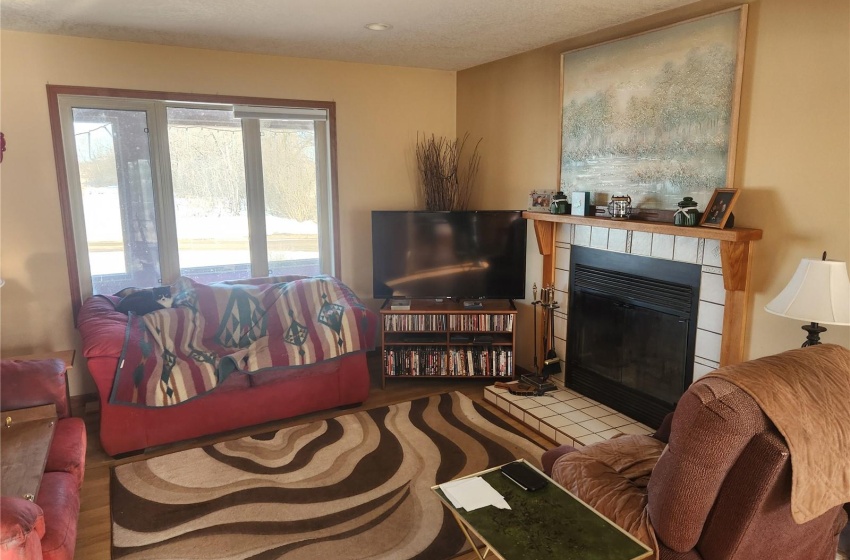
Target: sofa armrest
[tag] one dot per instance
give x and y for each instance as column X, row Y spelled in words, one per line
column 68, row 449
column 21, row 529
column 33, row 383
column 102, row 327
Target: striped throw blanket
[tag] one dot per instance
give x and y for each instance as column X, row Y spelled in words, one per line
column 175, row 354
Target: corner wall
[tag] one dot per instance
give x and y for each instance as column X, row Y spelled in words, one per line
column 793, row 159
column 379, row 111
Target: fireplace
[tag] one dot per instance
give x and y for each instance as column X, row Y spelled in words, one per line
column 631, row 331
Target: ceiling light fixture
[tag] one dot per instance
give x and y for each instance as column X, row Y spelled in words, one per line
column 378, row 26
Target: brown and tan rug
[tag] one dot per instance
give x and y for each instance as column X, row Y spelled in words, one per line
column 355, row 486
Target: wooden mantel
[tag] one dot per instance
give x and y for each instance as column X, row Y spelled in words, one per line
column 736, row 254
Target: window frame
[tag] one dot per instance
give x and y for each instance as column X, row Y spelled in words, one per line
column 327, row 198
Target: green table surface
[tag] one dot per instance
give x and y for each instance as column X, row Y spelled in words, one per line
column 546, row 524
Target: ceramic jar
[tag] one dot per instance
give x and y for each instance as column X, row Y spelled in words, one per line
column 559, row 203
column 687, row 214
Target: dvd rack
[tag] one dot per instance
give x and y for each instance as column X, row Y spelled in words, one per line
column 418, row 361
column 443, row 339
column 481, row 322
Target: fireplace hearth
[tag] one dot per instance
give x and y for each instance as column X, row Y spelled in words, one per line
column 631, row 331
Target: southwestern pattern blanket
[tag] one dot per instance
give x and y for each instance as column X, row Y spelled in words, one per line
column 178, row 353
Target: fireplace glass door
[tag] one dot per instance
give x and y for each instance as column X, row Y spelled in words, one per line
column 646, row 351
column 631, row 331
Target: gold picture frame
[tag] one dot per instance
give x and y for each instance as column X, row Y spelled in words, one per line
column 719, row 208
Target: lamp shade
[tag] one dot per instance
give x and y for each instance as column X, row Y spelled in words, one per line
column 819, row 292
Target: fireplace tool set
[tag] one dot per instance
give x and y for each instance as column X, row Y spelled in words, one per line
column 538, row 383
column 551, row 363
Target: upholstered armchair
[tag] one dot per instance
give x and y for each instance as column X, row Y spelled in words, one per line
column 721, row 487
column 46, row 527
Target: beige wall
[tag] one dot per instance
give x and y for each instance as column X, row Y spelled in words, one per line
column 793, row 158
column 379, row 111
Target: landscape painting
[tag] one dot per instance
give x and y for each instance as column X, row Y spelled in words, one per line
column 654, row 116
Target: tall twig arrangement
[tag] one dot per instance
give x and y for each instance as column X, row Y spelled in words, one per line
column 446, row 182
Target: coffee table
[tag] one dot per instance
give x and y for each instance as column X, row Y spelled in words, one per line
column 547, row 523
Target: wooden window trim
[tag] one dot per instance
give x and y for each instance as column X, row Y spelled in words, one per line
column 53, row 93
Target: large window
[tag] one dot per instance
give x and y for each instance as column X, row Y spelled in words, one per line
column 161, row 185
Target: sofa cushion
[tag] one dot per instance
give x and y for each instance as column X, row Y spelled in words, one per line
column 611, row 476
column 238, row 380
column 31, row 383
column 275, row 374
column 59, row 498
column 21, row 528
column 68, row 450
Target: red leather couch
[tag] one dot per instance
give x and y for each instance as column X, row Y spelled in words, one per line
column 242, row 400
column 47, row 527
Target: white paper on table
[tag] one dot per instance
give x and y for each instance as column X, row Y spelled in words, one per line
column 473, row 493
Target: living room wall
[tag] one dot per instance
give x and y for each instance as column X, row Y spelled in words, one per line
column 379, row 111
column 793, row 162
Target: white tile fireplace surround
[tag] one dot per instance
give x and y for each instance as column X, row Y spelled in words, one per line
column 564, row 415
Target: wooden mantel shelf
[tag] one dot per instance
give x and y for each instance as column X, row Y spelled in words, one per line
column 731, row 234
column 736, row 254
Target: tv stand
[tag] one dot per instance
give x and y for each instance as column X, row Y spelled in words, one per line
column 440, row 339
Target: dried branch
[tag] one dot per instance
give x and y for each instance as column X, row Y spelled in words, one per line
column 445, row 184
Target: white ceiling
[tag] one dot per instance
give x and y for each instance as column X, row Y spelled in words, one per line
column 441, row 34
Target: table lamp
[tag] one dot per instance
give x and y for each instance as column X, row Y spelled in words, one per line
column 819, row 292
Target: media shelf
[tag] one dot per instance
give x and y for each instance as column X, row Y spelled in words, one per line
column 442, row 339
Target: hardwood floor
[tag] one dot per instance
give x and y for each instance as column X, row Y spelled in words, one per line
column 93, row 533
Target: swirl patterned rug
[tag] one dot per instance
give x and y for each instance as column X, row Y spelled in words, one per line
column 355, row 486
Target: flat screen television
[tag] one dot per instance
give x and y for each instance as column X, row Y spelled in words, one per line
column 463, row 255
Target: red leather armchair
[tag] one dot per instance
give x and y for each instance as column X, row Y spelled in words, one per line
column 47, row 527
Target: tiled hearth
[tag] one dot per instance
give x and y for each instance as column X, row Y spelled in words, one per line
column 565, row 416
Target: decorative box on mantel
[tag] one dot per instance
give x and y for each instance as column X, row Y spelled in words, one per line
column 724, row 254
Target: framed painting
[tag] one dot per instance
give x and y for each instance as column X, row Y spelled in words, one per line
column 655, row 115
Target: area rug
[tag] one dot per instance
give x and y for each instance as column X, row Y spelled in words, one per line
column 352, row 487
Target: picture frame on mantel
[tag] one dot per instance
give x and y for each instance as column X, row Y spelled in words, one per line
column 540, row 200
column 655, row 115
column 719, row 208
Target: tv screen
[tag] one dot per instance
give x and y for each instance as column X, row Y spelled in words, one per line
column 464, row 255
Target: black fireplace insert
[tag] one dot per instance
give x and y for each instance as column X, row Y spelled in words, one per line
column 631, row 331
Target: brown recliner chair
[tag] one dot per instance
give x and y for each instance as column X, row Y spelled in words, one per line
column 721, row 490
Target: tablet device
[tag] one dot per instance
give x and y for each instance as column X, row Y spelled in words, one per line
column 524, row 476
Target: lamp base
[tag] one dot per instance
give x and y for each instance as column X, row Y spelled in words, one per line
column 814, row 331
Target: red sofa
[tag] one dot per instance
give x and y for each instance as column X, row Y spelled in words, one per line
column 47, row 527
column 242, row 400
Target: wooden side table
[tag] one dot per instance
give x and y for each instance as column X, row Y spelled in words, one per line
column 66, row 356
column 27, row 435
